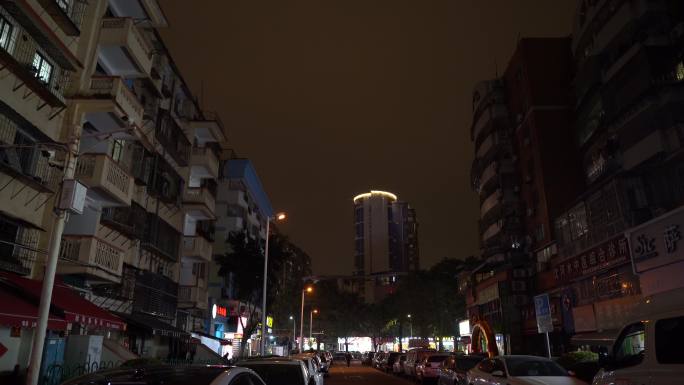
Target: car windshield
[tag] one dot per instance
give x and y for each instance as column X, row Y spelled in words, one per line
column 436, row 358
column 275, row 374
column 467, row 363
column 529, row 366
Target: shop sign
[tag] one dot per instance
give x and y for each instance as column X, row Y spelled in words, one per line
column 3, row 350
column 269, row 321
column 594, row 260
column 464, row 328
column 659, row 242
column 218, row 310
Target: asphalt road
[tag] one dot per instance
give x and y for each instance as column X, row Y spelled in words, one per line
column 358, row 374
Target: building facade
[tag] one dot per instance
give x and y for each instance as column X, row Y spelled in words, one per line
column 386, row 242
column 97, row 73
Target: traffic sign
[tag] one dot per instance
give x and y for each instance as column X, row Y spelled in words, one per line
column 542, row 308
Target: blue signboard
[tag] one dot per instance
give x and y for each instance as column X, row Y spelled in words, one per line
column 542, row 308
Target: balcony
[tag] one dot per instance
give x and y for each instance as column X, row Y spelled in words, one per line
column 92, row 257
column 209, row 128
column 203, row 163
column 107, row 180
column 124, row 50
column 66, row 14
column 197, row 248
column 172, row 138
column 495, row 111
column 493, row 230
column 108, row 94
column 199, row 203
column 155, row 294
column 128, row 220
column 492, row 201
column 161, row 238
column 484, row 148
column 193, row 297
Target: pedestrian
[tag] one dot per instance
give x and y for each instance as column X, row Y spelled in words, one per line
column 348, row 357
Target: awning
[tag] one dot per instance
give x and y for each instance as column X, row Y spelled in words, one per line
column 154, row 325
column 76, row 309
column 602, row 338
column 222, row 341
column 20, row 312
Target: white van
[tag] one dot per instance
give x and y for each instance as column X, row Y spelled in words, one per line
column 650, row 347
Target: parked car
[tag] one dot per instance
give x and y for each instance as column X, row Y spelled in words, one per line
column 413, row 357
column 171, row 375
column 340, row 356
column 325, row 362
column 520, row 370
column 454, row 369
column 368, row 358
column 428, row 368
column 648, row 349
column 398, row 367
column 389, row 360
column 278, row 371
column 312, row 366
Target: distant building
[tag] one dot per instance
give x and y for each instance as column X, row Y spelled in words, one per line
column 386, row 241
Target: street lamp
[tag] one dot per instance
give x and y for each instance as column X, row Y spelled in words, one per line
column 314, row 311
column 410, row 326
column 294, row 329
column 279, row 217
column 307, row 289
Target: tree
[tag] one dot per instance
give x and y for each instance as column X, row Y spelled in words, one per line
column 245, row 260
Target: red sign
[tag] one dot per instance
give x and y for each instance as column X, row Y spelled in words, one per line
column 3, row 350
column 221, row 310
column 594, row 260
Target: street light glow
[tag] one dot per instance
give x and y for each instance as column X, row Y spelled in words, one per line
column 309, row 289
column 409, row 316
column 291, row 317
column 315, row 311
column 281, row 216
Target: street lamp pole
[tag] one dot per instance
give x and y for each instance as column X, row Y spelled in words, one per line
column 315, row 311
column 279, row 217
column 294, row 329
column 410, row 326
column 307, row 289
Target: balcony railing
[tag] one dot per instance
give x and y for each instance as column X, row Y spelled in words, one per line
column 94, row 257
column 164, row 182
column 206, row 158
column 206, row 230
column 200, row 196
column 193, row 297
column 20, row 63
column 122, row 31
column 129, row 220
column 172, row 137
column 161, row 238
column 197, row 247
column 67, row 14
column 155, row 294
column 113, row 87
column 99, row 171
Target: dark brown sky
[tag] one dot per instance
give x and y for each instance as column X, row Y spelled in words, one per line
column 330, row 98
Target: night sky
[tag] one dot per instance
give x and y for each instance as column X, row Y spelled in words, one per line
column 330, row 98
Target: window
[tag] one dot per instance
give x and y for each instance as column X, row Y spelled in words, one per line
column 5, row 33
column 629, row 348
column 117, row 149
column 42, row 68
column 669, row 336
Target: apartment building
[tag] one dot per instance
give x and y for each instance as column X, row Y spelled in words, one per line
column 521, row 130
column 628, row 58
column 98, row 73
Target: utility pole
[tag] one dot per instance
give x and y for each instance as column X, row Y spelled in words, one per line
column 36, row 356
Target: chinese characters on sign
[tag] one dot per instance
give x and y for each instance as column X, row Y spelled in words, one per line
column 656, row 243
column 605, row 255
